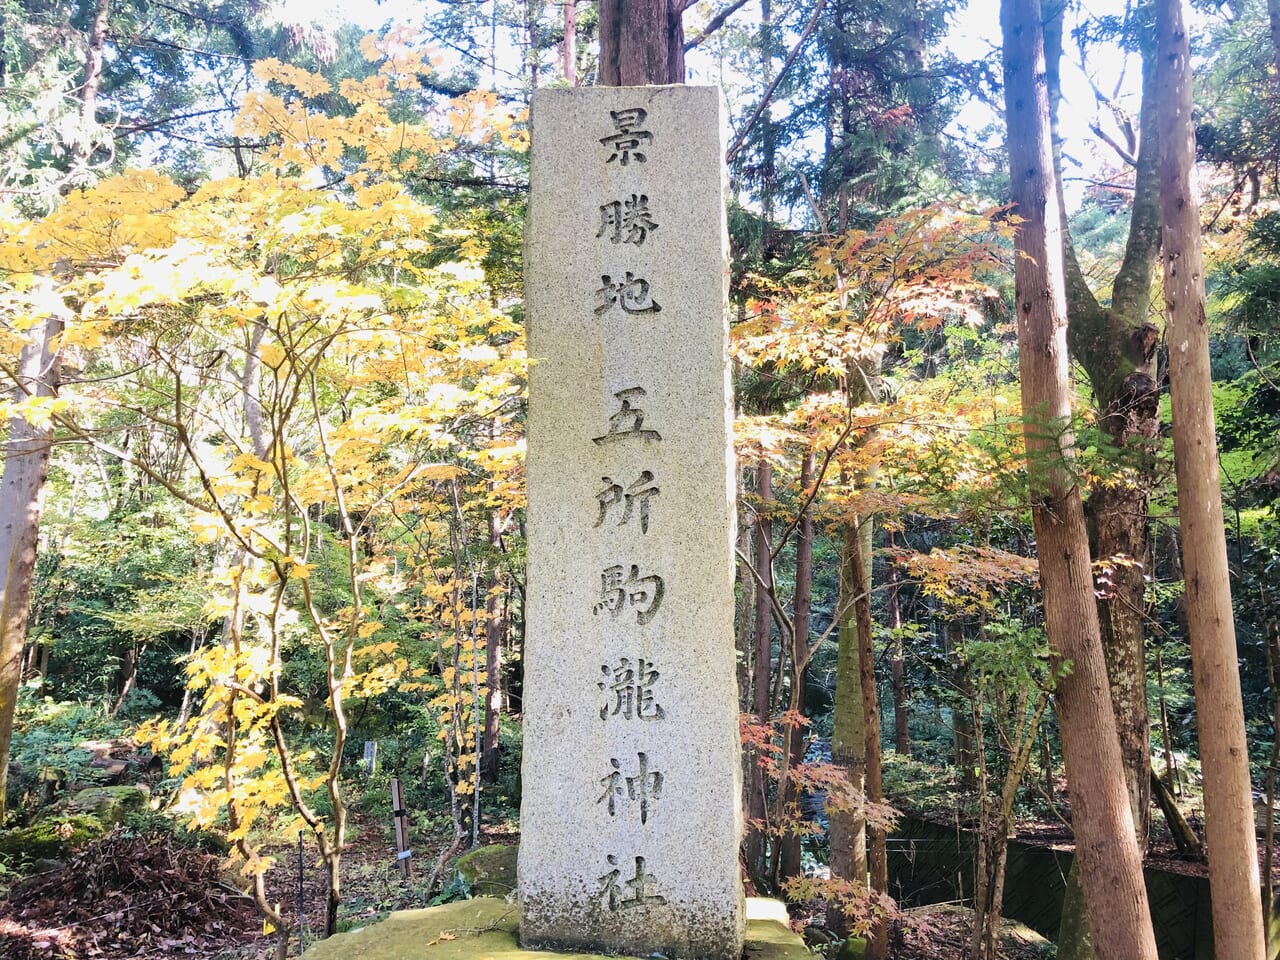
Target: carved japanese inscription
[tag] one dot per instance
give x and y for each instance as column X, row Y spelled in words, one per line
column 629, row 663
column 643, row 788
column 626, row 221
column 628, row 688
column 628, row 292
column 634, row 500
column 629, row 419
column 625, row 142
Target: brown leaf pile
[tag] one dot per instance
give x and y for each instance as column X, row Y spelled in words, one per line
column 123, row 896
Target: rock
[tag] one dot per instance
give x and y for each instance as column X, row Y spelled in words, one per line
column 485, row 929
column 109, row 768
column 855, row 948
column 489, row 871
column 109, row 804
column 50, row 838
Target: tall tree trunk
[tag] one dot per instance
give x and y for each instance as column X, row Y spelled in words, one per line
column 1273, row 16
column 762, row 673
column 897, row 668
column 1111, row 864
column 877, row 853
column 794, row 738
column 1116, row 345
column 1224, row 752
column 495, row 628
column 570, row 52
column 768, row 132
column 961, row 720
column 848, row 735
column 641, row 42
column 26, row 466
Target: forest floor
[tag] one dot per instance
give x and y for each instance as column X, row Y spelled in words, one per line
column 144, row 898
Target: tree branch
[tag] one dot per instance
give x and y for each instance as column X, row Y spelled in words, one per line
column 715, row 23
column 768, row 94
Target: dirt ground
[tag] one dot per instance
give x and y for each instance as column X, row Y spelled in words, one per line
column 143, row 898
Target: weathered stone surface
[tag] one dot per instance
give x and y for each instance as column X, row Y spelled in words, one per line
column 630, row 817
column 485, row 929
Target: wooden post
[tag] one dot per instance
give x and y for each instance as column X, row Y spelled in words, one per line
column 400, row 820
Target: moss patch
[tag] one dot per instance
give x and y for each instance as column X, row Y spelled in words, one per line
column 485, row 929
column 489, row 871
column 110, row 804
column 51, row 838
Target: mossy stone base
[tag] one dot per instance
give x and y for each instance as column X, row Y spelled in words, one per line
column 489, row 871
column 485, row 929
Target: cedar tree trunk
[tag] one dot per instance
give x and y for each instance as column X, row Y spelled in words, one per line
column 762, row 673
column 1111, row 864
column 1116, row 345
column 1224, row 754
column 897, row 667
column 877, row 853
column 641, row 42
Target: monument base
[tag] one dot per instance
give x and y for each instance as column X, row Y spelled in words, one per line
column 486, row 928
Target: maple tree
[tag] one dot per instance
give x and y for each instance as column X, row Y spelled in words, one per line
column 341, row 401
column 828, row 327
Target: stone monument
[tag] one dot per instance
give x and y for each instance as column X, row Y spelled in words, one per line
column 631, row 818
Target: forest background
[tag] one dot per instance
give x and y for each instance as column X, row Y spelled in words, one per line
column 260, row 316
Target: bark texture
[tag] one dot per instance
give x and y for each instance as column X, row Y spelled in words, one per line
column 877, row 847
column 26, row 466
column 641, row 42
column 1116, row 344
column 762, row 672
column 794, row 739
column 897, row 668
column 1111, row 864
column 495, row 631
column 848, row 737
column 1224, row 755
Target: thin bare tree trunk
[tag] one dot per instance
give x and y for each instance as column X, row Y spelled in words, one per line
column 570, row 53
column 848, row 736
column 757, row 807
column 877, row 853
column 961, row 720
column 1111, row 864
column 1224, row 753
column 1269, row 903
column 897, row 668
column 794, row 739
column 495, row 628
column 1273, row 16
